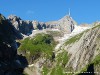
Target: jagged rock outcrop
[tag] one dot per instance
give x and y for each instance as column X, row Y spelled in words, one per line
column 65, row 24
column 10, row 62
column 24, row 27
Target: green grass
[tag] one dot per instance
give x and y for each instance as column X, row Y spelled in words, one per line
column 83, row 69
column 45, row 70
column 74, row 39
column 62, row 58
column 58, row 70
column 41, row 44
column 96, row 26
column 96, row 60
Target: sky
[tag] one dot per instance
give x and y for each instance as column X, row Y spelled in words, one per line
column 82, row 11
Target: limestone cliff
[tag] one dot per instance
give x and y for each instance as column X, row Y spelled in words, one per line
column 84, row 49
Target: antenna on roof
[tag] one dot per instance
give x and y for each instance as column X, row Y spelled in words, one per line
column 69, row 12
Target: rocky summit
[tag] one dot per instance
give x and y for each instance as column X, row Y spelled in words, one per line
column 48, row 48
column 65, row 24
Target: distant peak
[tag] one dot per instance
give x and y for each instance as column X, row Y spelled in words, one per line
column 66, row 17
column 13, row 16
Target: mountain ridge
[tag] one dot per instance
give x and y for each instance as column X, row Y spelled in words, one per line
column 65, row 24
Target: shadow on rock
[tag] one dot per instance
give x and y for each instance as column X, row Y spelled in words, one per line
column 90, row 70
column 10, row 62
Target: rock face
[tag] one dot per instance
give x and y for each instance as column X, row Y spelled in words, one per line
column 10, row 61
column 65, row 24
column 24, row 27
column 85, row 50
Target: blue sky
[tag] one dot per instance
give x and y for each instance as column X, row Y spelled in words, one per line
column 82, row 11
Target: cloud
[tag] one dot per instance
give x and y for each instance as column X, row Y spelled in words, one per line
column 30, row 12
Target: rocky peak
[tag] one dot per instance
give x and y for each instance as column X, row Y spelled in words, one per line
column 14, row 17
column 24, row 27
column 65, row 24
column 66, row 17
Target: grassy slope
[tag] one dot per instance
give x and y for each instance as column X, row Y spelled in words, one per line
column 41, row 44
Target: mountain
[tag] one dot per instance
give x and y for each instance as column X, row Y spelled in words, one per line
column 85, row 51
column 52, row 48
column 77, row 53
column 65, row 24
